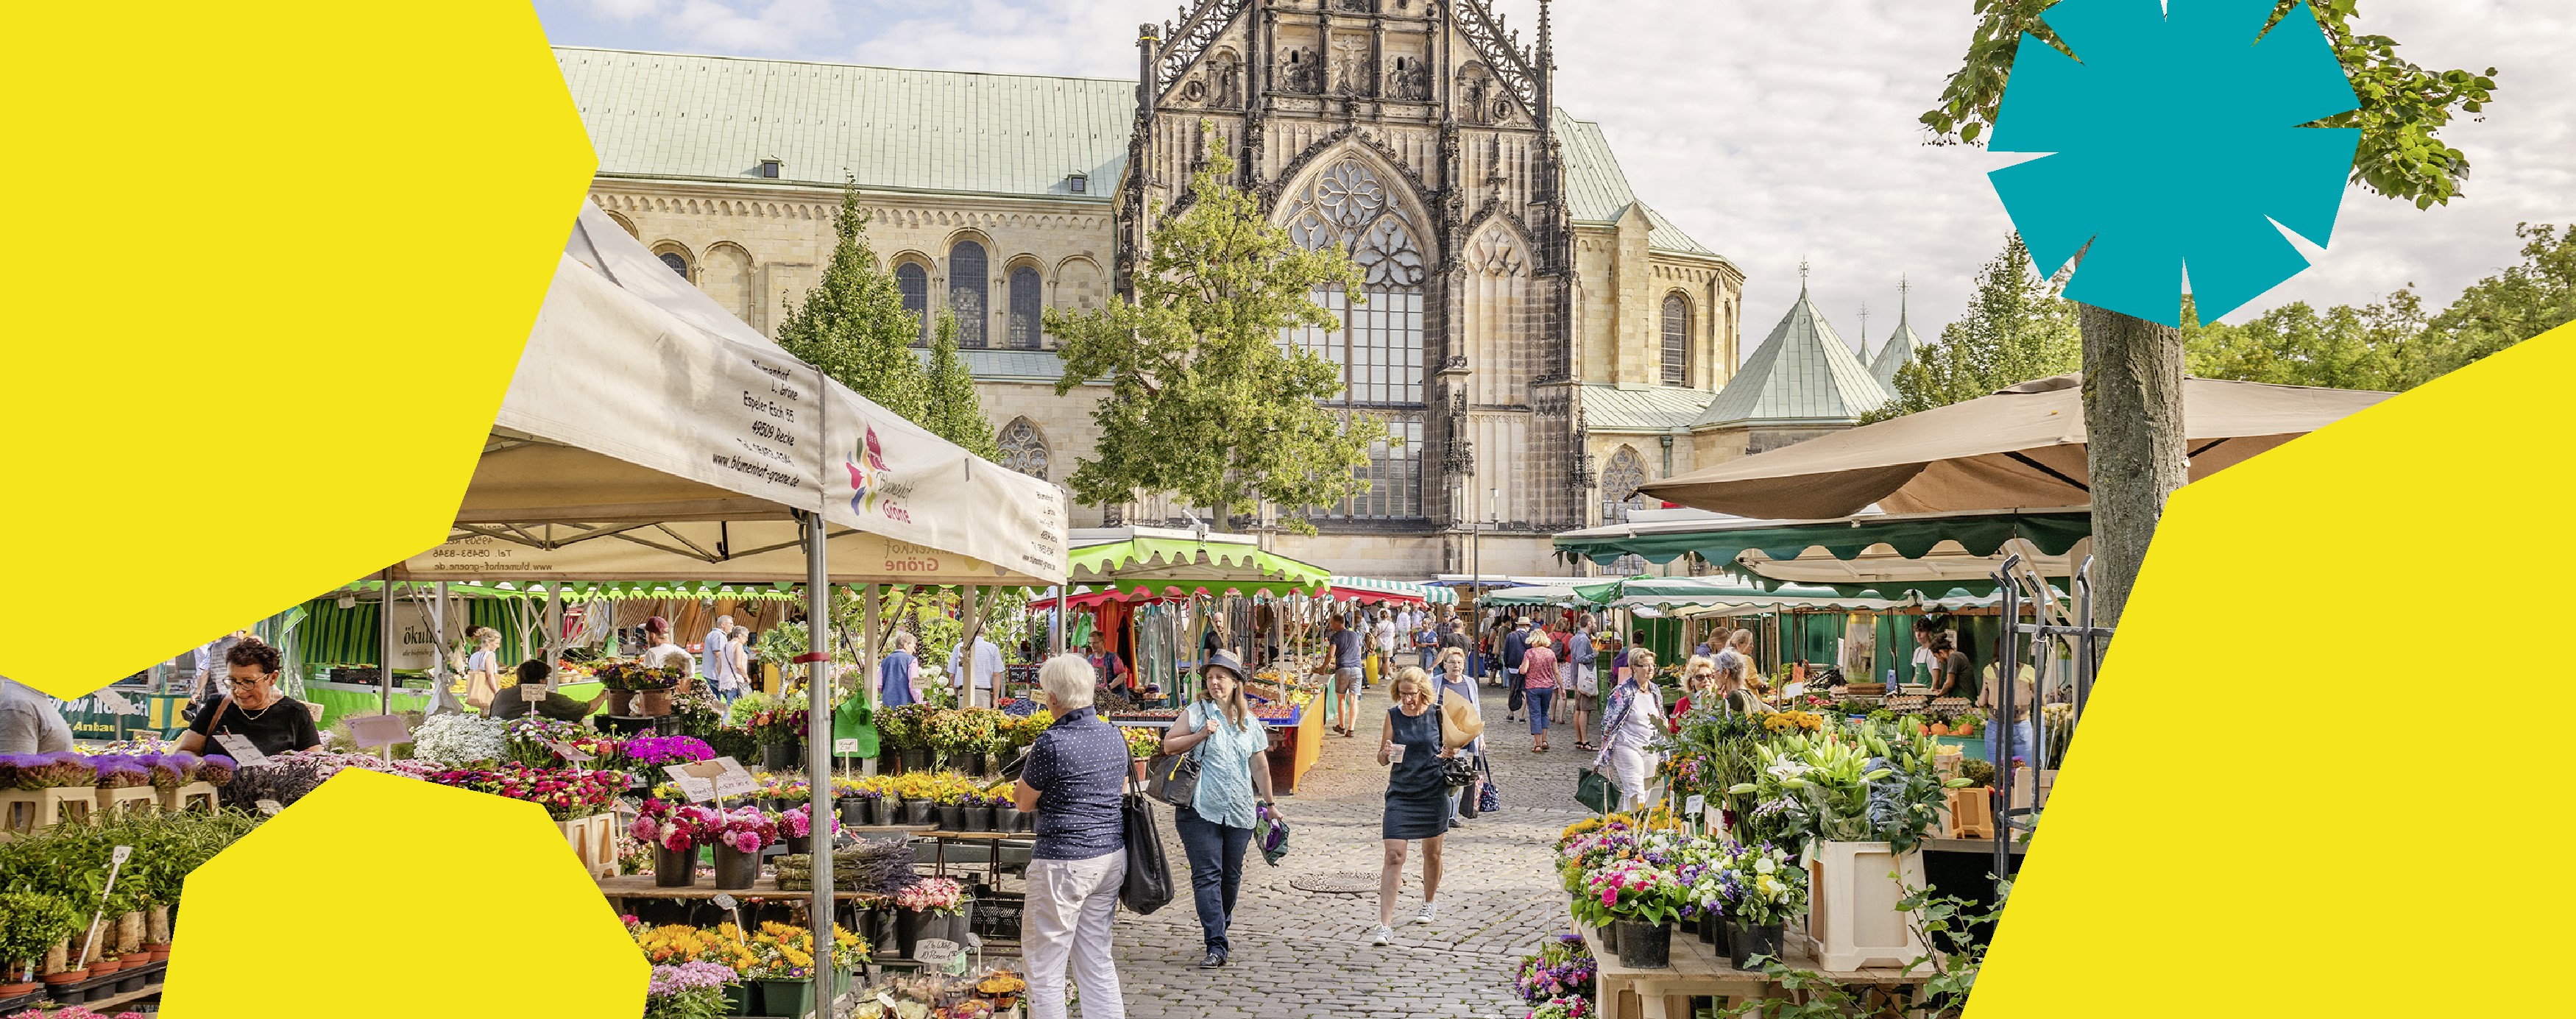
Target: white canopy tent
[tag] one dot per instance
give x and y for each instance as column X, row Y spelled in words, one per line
column 648, row 434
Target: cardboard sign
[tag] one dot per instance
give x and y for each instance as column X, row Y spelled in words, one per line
column 1695, row 805
column 531, row 693
column 564, row 749
column 115, row 703
column 243, row 752
column 733, row 780
column 845, row 747
column 696, row 779
column 937, row 953
column 370, row 731
column 269, row 807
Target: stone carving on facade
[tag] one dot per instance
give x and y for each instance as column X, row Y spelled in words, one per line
column 1301, row 70
column 1352, row 73
column 1024, row 449
column 1410, row 78
column 1497, row 254
column 1475, row 86
column 1226, row 71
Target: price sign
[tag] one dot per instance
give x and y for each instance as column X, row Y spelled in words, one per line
column 531, row 692
column 378, row 730
column 243, row 751
column 1695, row 805
column 120, row 854
column 114, row 703
column 733, row 780
column 937, row 953
column 269, row 807
column 564, row 749
column 696, row 780
column 845, row 747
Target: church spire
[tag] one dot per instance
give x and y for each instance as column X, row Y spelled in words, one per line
column 1902, row 286
column 1802, row 279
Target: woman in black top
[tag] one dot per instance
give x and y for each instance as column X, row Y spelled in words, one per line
column 256, row 710
column 1417, row 796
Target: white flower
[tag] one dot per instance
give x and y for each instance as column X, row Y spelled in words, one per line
column 456, row 740
column 1763, row 865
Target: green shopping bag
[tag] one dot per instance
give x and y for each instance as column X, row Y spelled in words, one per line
column 854, row 720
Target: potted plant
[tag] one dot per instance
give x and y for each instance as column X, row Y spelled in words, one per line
column 934, row 907
column 797, row 824
column 1858, row 801
column 1641, row 900
column 1142, row 744
column 1766, row 889
column 739, row 836
column 31, row 924
column 1006, row 809
column 690, row 990
column 1003, row 988
column 676, row 832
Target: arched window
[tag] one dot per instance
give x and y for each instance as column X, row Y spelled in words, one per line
column 1619, row 483
column 1024, row 449
column 968, row 288
column 1379, row 346
column 914, row 282
column 677, row 257
column 1025, row 299
column 1676, row 341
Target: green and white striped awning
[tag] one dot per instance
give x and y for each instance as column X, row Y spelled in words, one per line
column 1361, row 588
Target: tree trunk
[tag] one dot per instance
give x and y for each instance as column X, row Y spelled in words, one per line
column 2133, row 411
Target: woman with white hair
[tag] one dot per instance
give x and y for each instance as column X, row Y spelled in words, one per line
column 1075, row 774
column 899, row 673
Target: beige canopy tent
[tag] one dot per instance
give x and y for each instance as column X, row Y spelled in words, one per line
column 648, row 434
column 2020, row 447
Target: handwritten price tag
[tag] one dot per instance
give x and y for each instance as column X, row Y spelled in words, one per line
column 1695, row 805
column 698, row 789
column 243, row 751
column 269, row 807
column 733, row 780
column 845, row 747
column 378, row 730
column 531, row 693
column 569, row 752
column 935, row 952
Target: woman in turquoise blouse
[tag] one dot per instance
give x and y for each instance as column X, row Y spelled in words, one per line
column 1232, row 748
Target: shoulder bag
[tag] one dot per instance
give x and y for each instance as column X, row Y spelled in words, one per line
column 1174, row 778
column 1149, row 875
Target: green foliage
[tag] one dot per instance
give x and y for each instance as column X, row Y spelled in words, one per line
column 2016, row 329
column 70, row 860
column 1204, row 399
column 2395, row 344
column 31, row 923
column 853, row 326
column 2403, row 106
column 953, row 411
column 1946, row 925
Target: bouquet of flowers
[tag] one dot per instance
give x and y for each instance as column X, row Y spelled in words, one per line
column 745, row 829
column 459, row 740
column 1641, row 889
column 531, row 738
column 783, row 952
column 906, row 727
column 932, row 895
column 1563, row 968
column 690, row 990
column 656, row 751
column 798, row 822
column 674, row 826
column 1793, row 721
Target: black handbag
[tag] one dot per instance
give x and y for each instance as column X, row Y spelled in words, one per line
column 1174, row 778
column 1149, row 875
column 1596, row 790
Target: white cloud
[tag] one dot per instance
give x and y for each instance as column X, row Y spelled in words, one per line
column 1777, row 132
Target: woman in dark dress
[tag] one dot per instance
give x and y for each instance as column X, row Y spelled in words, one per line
column 1417, row 797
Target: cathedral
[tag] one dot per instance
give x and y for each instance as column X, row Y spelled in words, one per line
column 1536, row 339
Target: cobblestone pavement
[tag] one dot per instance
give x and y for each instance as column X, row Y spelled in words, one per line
column 1302, row 954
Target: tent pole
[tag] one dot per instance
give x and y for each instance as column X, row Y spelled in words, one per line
column 439, row 698
column 1055, row 638
column 385, row 672
column 966, row 660
column 554, row 632
column 818, row 756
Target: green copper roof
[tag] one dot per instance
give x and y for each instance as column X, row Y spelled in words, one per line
column 1900, row 348
column 1804, row 374
column 1597, row 191
column 1610, row 408
column 702, row 117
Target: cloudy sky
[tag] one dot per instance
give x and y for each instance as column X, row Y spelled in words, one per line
column 1777, row 132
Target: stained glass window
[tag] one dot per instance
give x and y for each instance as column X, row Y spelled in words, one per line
column 1025, row 317
column 1379, row 345
column 1024, row 449
column 1676, row 341
column 914, row 282
column 968, row 285
column 678, row 262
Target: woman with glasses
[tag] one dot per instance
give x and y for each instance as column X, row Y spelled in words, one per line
column 256, row 710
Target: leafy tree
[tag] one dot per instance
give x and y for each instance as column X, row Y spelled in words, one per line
column 2016, row 329
column 853, row 325
column 2295, row 344
column 2502, row 310
column 1205, row 401
column 2133, row 368
column 953, row 411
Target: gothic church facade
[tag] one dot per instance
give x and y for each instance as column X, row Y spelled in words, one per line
column 1522, row 306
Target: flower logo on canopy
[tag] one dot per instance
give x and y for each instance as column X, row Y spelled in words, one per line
column 867, row 467
column 2174, row 144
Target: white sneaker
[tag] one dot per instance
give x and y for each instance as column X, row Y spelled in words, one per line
column 1384, row 935
column 1425, row 915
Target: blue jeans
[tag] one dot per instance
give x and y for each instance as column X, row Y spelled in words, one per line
column 1215, row 852
column 1538, row 700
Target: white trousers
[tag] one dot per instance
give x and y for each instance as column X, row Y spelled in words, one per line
column 1071, row 904
column 1635, row 771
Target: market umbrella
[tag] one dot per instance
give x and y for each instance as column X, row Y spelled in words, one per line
column 2023, row 446
column 1895, row 554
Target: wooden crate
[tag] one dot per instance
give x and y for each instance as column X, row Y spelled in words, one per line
column 1698, row 970
column 139, row 798
column 25, row 812
column 193, row 796
column 1969, row 814
column 594, row 842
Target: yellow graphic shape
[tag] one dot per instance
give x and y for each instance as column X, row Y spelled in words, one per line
column 2285, row 783
column 275, row 263
column 393, row 898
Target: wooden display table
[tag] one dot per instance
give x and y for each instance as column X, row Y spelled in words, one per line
column 1697, row 969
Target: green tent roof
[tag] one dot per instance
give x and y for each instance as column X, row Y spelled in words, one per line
column 1911, row 536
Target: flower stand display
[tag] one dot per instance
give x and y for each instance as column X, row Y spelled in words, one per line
column 25, row 812
column 1970, row 814
column 594, row 842
column 133, row 797
column 193, row 796
column 1854, row 918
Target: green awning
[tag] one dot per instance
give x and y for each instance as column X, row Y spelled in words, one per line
column 1770, row 553
column 1178, row 565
